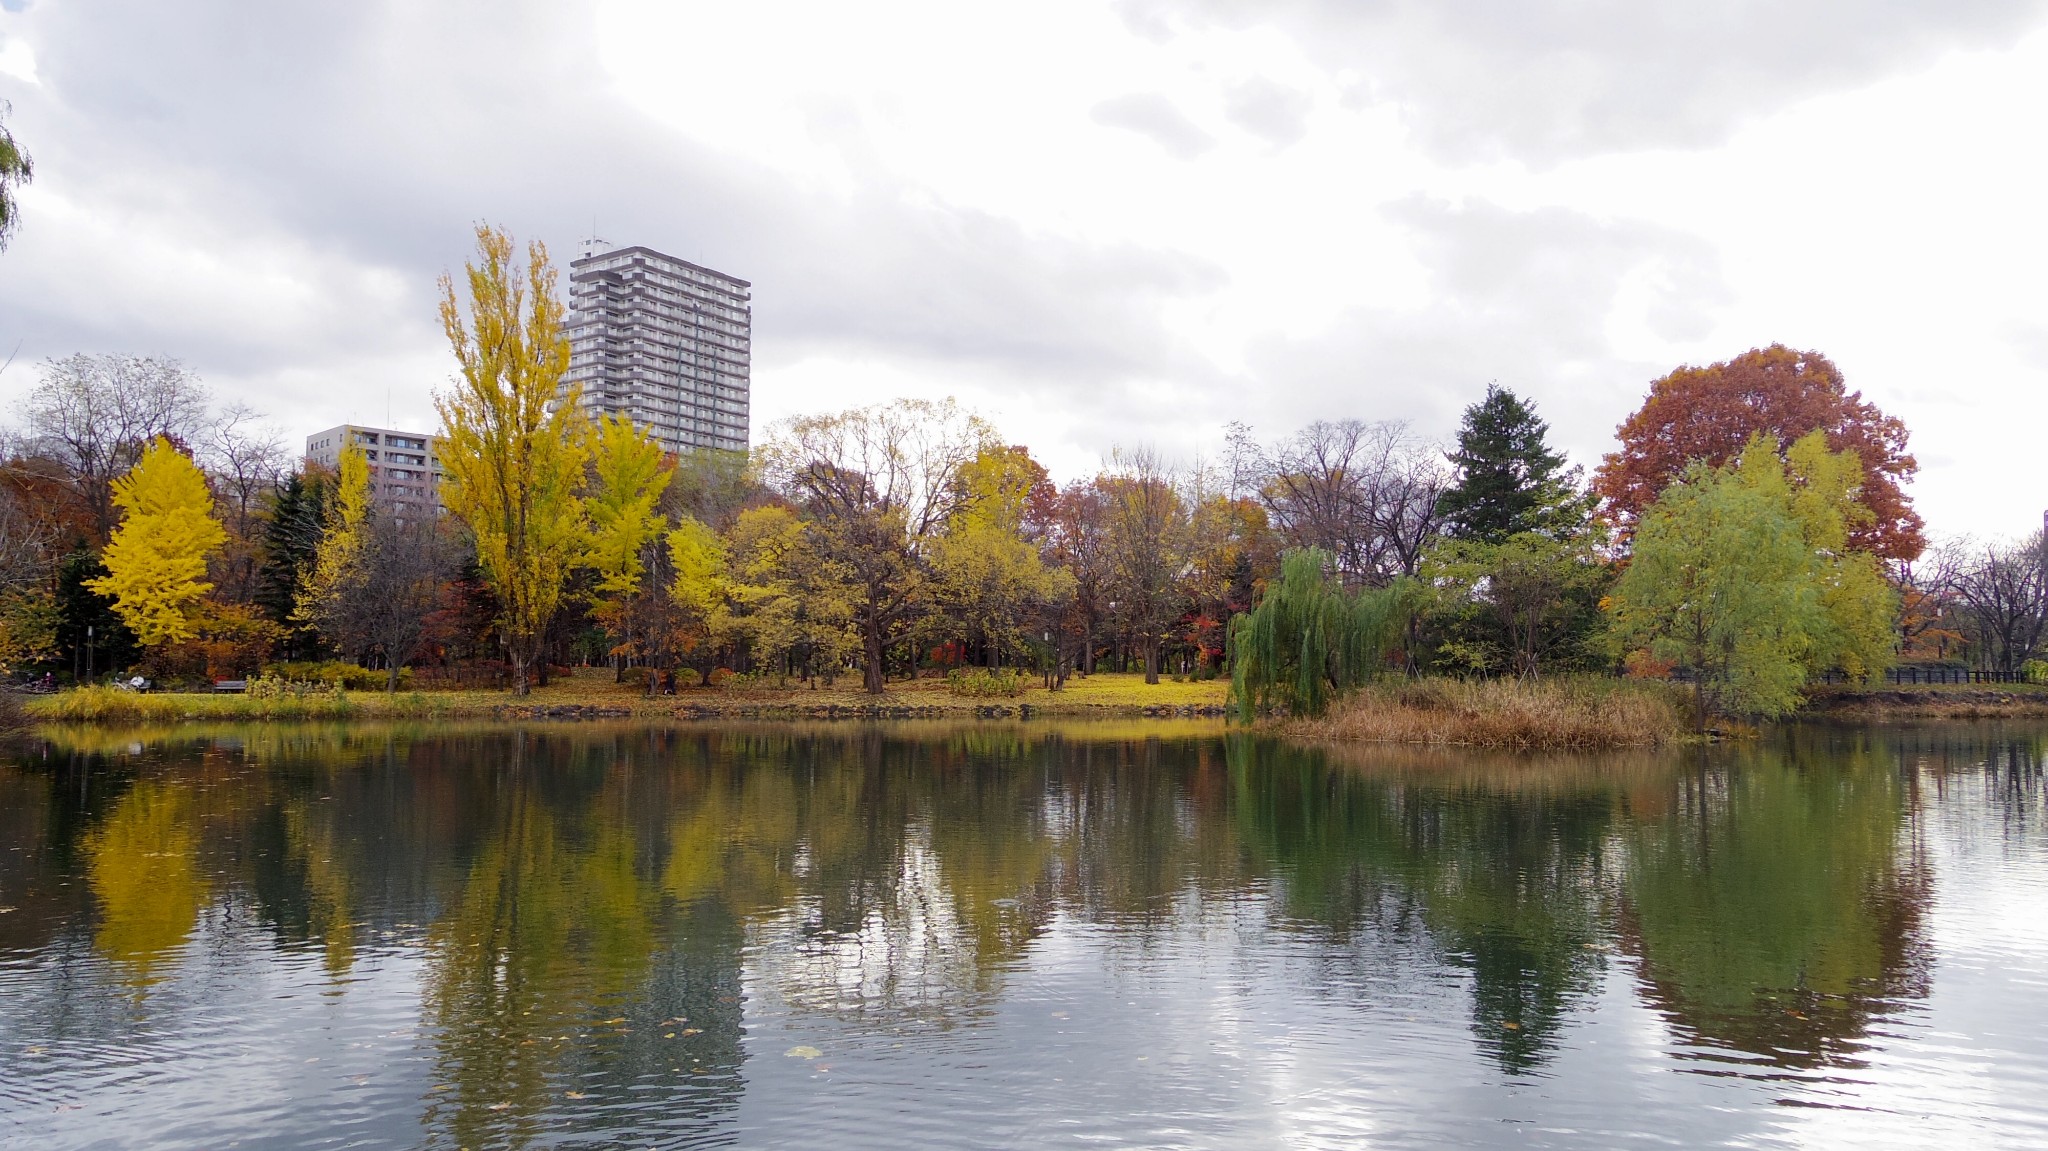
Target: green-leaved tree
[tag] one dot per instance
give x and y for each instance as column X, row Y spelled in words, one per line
column 1742, row 576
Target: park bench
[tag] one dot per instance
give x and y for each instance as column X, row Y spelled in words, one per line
column 229, row 686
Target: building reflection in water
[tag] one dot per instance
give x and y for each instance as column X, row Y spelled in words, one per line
column 595, row 911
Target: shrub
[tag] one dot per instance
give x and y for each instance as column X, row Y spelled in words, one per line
column 981, row 683
column 719, row 676
column 333, row 672
column 2035, row 670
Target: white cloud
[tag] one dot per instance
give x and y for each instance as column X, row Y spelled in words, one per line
column 1098, row 224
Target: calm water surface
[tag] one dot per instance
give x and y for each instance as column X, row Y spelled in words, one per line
column 1018, row 936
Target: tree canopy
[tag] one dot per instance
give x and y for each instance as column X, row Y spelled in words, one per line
column 1509, row 481
column 1710, row 415
column 1742, row 576
column 156, row 560
column 1309, row 639
column 514, row 448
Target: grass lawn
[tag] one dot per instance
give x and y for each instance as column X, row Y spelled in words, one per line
column 594, row 689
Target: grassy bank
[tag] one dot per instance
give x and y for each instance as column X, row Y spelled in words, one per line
column 1928, row 701
column 1558, row 714
column 592, row 694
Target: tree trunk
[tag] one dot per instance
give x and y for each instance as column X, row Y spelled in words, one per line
column 872, row 680
column 390, row 677
column 519, row 684
column 1151, row 646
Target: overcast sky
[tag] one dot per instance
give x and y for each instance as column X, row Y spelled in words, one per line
column 1097, row 223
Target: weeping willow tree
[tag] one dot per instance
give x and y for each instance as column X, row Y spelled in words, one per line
column 1309, row 639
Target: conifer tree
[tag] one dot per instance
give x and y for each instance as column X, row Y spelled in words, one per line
column 156, row 560
column 1509, row 479
column 291, row 540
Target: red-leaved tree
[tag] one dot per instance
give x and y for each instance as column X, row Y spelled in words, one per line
column 1710, row 413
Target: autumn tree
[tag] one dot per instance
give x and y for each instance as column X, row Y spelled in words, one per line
column 627, row 480
column 1509, row 479
column 515, row 440
column 330, row 596
column 156, row 560
column 1232, row 552
column 792, row 605
column 96, row 414
column 1145, row 523
column 28, row 592
column 244, row 461
column 1077, row 543
column 879, row 485
column 1745, row 576
column 1364, row 493
column 990, row 575
column 1709, row 415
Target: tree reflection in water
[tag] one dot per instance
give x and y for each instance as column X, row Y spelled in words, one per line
column 592, row 905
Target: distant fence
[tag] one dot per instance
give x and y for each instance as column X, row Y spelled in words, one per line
column 1905, row 676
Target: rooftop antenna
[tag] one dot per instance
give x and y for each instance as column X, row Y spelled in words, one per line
column 596, row 243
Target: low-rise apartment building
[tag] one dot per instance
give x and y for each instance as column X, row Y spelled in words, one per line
column 405, row 468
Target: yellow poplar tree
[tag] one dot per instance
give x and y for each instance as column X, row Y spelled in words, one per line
column 156, row 560
column 516, row 441
column 338, row 563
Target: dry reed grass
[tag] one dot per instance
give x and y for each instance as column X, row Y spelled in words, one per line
column 1559, row 714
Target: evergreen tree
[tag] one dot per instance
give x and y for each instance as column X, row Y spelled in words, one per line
column 89, row 635
column 290, row 542
column 1509, row 480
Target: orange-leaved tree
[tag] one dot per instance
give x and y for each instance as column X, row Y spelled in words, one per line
column 1710, row 414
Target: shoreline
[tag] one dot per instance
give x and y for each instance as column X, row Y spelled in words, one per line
column 1927, row 701
column 1413, row 714
column 571, row 698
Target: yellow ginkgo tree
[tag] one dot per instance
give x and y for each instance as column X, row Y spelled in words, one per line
column 156, row 560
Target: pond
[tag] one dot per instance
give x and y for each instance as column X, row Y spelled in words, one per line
column 1018, row 935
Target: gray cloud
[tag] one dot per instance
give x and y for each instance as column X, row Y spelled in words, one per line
column 1545, row 80
column 1153, row 116
column 1521, row 298
column 361, row 143
column 1272, row 111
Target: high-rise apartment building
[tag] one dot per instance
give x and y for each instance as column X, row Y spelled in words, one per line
column 405, row 467
column 664, row 342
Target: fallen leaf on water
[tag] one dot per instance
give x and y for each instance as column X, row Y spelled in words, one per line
column 1511, row 1025
column 5, row 910
column 609, row 1022
column 693, row 1031
column 670, row 1035
column 576, row 1095
column 803, row 1051
column 499, row 1106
